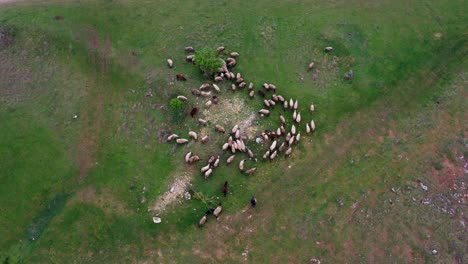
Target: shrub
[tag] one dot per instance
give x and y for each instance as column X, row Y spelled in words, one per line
column 208, row 60
column 177, row 108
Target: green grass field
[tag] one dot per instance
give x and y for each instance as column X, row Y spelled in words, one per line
column 78, row 189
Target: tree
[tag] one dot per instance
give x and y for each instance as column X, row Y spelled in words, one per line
column 208, row 60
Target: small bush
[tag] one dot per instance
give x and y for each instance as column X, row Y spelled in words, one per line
column 208, row 60
column 177, row 108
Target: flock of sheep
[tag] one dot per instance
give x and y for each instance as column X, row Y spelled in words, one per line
column 282, row 138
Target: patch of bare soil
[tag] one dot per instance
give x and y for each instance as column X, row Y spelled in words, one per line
column 103, row 200
column 176, row 192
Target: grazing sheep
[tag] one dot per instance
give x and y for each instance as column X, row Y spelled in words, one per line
column 261, row 93
column 204, row 86
column 267, row 103
column 204, row 169
column 328, row 49
column 196, row 92
column 212, row 159
column 220, row 129
column 240, row 80
column 234, row 54
column 230, row 159
column 170, row 63
column 202, row 221
column 180, row 77
column 193, row 135
column 252, row 93
column 298, row 137
column 225, row 146
column 272, row 103
column 218, row 79
column 193, row 159
column 208, row 173
column 205, row 94
column 311, row 66
column 312, row 108
column 283, row 120
column 251, row 86
column 291, row 103
column 225, row 188
column 288, row 136
column 220, row 49
column 272, row 87
column 296, row 105
column 251, row 154
column 265, row 136
column 288, row 152
column 182, row 141
column 233, row 148
column 193, row 112
column 208, row 104
column 216, row 87
column 204, row 139
column 285, row 105
column 202, row 122
column 264, row 111
column 312, row 125
column 280, row 98
column 298, row 118
column 265, row 85
column 274, row 97
column 238, row 75
column 216, row 162
column 253, row 201
column 293, row 129
column 278, row 132
column 189, row 49
column 171, row 137
column 234, row 128
column 267, row 153
column 214, row 99
column 232, row 75
column 233, row 87
column 273, row 145
column 291, row 141
column 242, row 85
column 218, row 211
column 283, row 130
column 182, row 98
column 190, row 58
column 294, row 115
column 273, row 156
column 282, row 146
column 232, row 63
column 307, row 128
column 249, row 172
column 241, row 165
column 237, row 135
column 187, row 156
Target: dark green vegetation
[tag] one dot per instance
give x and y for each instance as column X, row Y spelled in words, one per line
column 81, row 186
column 208, row 60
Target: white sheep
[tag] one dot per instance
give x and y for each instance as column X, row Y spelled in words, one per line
column 220, row 129
column 264, row 111
column 202, row 221
column 285, row 105
column 202, row 122
column 291, row 141
column 204, row 86
column 312, row 108
column 252, row 93
column 233, row 87
column 312, row 125
column 217, row 211
column 182, row 98
column 283, row 120
column 273, row 155
column 193, row 159
column 234, row 54
column 220, row 48
column 173, row 136
column 225, row 146
column 296, row 105
column 307, row 128
column 208, row 173
column 293, row 129
column 241, row 165
column 182, row 141
column 204, row 139
column 278, row 131
column 282, row 146
column 251, row 86
column 273, row 145
column 193, row 135
column 280, row 98
column 272, row 103
column 208, row 104
column 187, row 156
column 242, row 85
column 291, row 103
column 298, row 137
column 204, row 169
column 328, row 49
column 230, row 159
column 274, row 97
column 288, row 152
column 205, row 94
column 267, row 104
column 218, row 79
column 298, row 118
column 170, row 63
column 189, row 49
column 272, row 87
column 311, row 65
column 265, row 85
column 251, row 154
column 216, row 162
column 267, row 154
column 283, row 130
column 294, row 115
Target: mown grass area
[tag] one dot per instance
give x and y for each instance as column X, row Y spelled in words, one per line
column 82, row 181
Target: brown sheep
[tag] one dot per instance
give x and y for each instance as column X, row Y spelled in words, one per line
column 193, row 112
column 249, row 172
column 180, row 77
column 261, row 93
column 220, row 129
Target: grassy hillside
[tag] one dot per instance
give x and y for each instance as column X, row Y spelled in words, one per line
column 80, row 187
